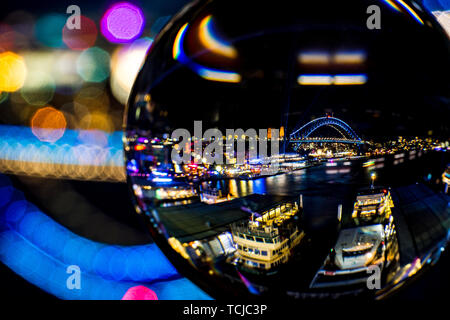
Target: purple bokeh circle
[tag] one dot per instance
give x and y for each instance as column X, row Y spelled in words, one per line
column 122, row 22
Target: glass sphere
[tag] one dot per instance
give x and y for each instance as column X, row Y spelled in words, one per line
column 299, row 151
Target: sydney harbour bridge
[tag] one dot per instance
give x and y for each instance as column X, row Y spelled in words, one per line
column 305, row 134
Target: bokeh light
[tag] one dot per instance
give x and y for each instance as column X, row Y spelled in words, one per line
column 38, row 89
column 39, row 249
column 58, row 64
column 94, row 127
column 48, row 30
column 93, row 65
column 18, row 33
column 68, row 158
column 65, row 71
column 91, row 98
column 140, row 293
column 13, row 72
column 83, row 38
column 6, row 37
column 125, row 64
column 22, row 22
column 123, row 22
column 48, row 124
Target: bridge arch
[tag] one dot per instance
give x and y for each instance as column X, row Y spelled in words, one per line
column 306, row 130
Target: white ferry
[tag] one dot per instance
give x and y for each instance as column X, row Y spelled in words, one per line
column 370, row 241
column 267, row 240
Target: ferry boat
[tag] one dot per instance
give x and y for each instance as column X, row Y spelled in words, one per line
column 267, row 240
column 370, row 240
column 372, row 202
column 213, row 195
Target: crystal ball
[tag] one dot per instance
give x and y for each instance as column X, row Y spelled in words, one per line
column 300, row 151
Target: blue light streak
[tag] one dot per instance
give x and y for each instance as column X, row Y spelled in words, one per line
column 40, row 250
column 18, row 143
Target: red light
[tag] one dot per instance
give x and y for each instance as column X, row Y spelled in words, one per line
column 140, row 293
column 139, row 147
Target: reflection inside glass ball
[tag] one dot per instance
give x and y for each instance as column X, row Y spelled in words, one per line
column 296, row 152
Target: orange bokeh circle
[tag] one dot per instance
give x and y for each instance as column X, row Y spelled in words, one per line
column 48, row 124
